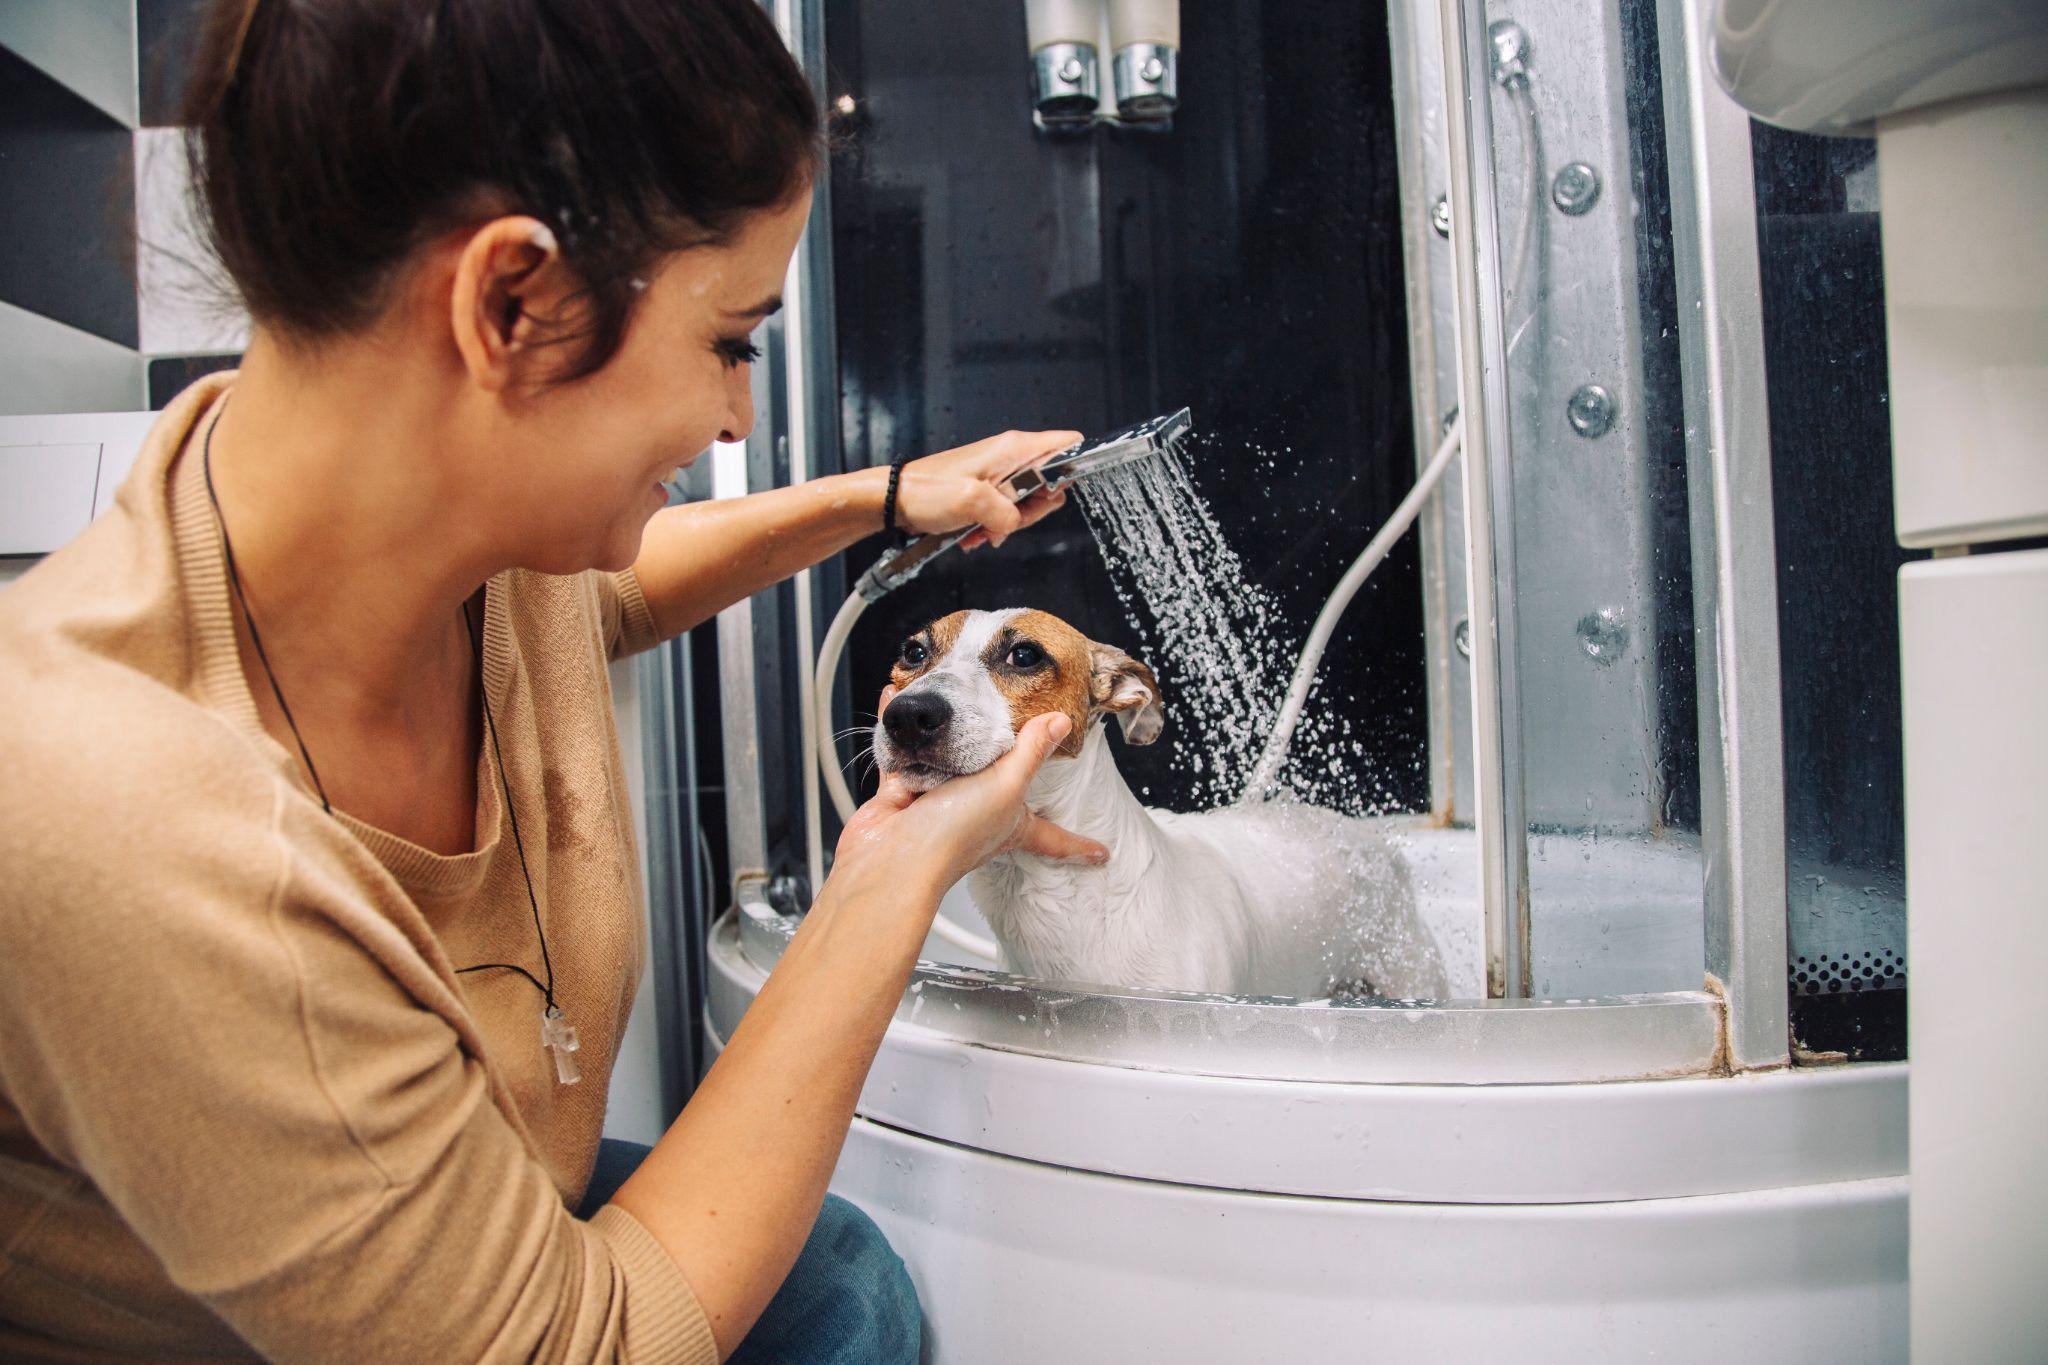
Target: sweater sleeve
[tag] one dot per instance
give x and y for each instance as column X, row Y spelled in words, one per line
column 628, row 622
column 247, row 1060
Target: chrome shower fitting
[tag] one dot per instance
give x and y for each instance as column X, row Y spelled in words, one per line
column 1590, row 410
column 1068, row 38
column 1076, row 462
column 1068, row 83
column 1145, row 36
column 1066, row 70
column 1575, row 190
column 1510, row 42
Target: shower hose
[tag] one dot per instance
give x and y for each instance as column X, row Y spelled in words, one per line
column 1267, row 773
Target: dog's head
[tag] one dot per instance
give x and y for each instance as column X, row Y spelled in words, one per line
column 968, row 682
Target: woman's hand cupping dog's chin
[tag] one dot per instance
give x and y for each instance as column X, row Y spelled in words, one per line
column 930, row 840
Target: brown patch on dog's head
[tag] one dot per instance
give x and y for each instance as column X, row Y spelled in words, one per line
column 922, row 651
column 1041, row 664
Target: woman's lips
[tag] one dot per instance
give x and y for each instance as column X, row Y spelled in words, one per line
column 675, row 474
column 672, row 481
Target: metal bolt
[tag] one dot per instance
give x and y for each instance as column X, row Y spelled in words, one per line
column 1450, row 416
column 1590, row 410
column 1603, row 634
column 1440, row 215
column 1071, row 71
column 1576, row 189
column 1152, row 70
column 1461, row 636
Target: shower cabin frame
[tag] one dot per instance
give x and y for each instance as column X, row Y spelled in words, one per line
column 1737, row 1019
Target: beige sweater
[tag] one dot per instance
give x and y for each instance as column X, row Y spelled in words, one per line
column 245, row 1103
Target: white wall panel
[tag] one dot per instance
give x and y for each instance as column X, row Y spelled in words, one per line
column 1965, row 192
column 1975, row 637
column 184, row 308
column 46, row 366
column 89, row 45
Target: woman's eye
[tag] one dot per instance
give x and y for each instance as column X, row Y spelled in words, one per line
column 1026, row 656
column 914, row 653
column 737, row 351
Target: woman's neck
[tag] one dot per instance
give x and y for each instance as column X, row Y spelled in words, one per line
column 345, row 510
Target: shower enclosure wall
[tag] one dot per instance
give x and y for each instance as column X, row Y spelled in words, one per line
column 1566, row 701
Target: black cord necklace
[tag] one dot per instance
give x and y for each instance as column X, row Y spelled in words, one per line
column 556, row 1033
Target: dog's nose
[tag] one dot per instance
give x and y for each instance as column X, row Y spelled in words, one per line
column 913, row 718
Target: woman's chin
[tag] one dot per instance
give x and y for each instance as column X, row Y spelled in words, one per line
column 622, row 550
column 616, row 546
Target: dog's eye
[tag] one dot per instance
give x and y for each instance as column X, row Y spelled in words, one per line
column 1026, row 655
column 914, row 653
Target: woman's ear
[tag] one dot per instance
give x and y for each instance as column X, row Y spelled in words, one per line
column 510, row 284
column 1126, row 689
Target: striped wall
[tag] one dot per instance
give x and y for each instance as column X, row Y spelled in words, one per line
column 107, row 301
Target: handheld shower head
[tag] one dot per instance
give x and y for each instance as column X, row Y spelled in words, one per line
column 1085, row 459
column 1082, row 460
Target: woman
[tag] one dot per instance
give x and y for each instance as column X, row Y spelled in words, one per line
column 318, row 866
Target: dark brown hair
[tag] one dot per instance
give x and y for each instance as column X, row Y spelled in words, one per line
column 329, row 139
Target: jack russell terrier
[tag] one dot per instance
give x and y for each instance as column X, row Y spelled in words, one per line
column 1278, row 898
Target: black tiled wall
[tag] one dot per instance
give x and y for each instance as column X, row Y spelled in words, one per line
column 170, row 374
column 67, row 214
column 166, row 32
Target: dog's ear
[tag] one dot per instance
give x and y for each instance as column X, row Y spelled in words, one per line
column 1126, row 689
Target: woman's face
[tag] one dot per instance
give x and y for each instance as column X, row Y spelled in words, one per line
column 583, row 474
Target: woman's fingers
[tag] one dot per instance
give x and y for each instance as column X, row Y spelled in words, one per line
column 1048, row 840
column 996, row 513
column 1014, row 451
column 964, row 487
column 1039, row 506
column 1030, row 512
column 1035, row 742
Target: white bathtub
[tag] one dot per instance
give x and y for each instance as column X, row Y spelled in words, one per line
column 1081, row 1210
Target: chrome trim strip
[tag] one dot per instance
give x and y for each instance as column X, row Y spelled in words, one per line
column 1489, row 491
column 738, row 707
column 1734, row 546
column 796, row 19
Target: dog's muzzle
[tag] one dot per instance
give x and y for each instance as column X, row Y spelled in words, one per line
column 938, row 729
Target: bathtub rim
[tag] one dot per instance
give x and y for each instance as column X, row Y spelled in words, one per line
column 1405, row 1141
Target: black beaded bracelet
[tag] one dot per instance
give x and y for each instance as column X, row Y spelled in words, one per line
column 889, row 526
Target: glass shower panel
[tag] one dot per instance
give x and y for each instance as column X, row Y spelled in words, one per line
column 1245, row 262
column 1593, row 569
column 1838, row 563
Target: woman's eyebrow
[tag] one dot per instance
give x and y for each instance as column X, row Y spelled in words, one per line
column 765, row 308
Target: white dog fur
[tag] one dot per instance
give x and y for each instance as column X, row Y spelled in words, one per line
column 1278, row 899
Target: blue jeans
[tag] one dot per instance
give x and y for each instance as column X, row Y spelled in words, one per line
column 847, row 1301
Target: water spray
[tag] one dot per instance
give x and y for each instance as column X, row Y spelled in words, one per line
column 1165, row 435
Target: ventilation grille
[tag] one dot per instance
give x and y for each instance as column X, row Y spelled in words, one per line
column 1822, row 974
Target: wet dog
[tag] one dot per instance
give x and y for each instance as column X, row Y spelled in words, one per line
column 1277, row 898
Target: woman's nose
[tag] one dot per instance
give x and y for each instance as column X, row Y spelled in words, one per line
column 739, row 418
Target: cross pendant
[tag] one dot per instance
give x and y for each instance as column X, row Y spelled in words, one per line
column 559, row 1037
